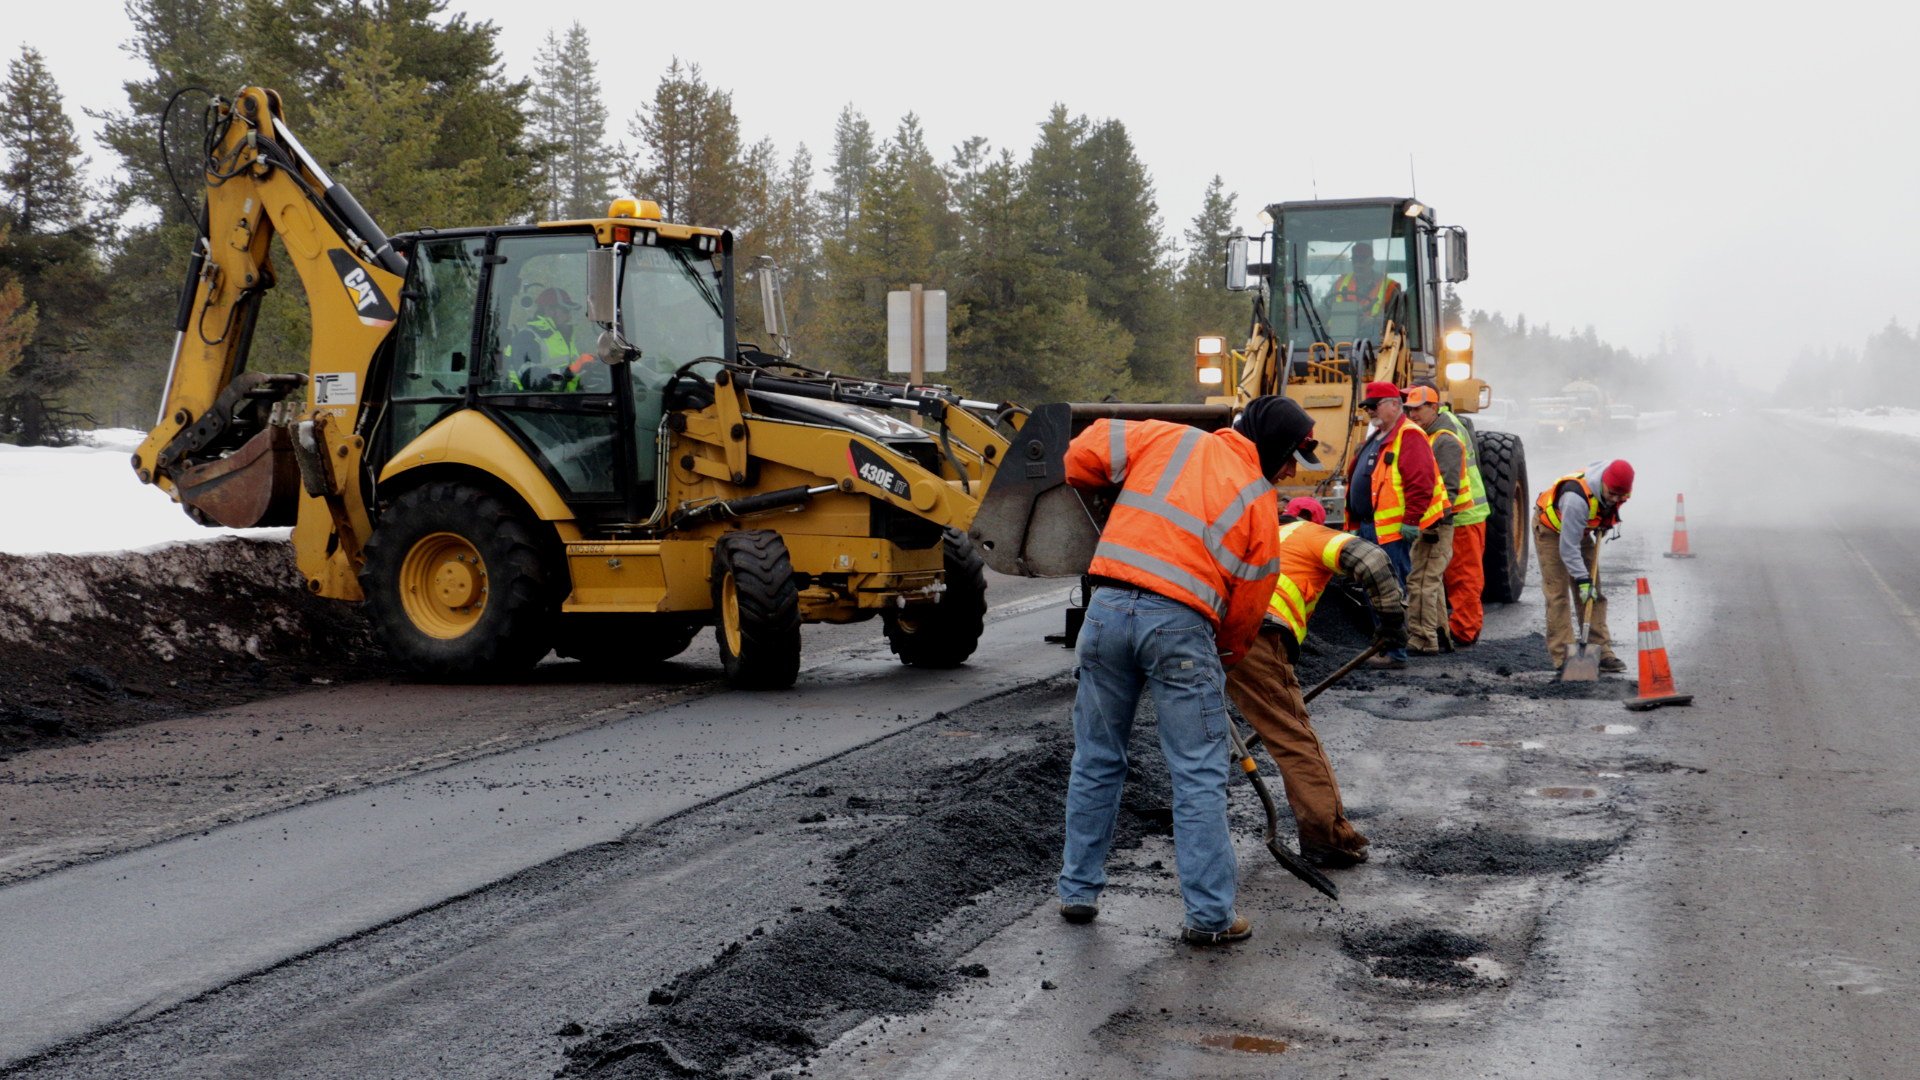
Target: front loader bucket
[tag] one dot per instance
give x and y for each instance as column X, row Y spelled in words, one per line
column 1031, row 524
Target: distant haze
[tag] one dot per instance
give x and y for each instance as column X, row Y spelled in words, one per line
column 1737, row 171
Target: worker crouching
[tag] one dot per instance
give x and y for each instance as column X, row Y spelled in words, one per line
column 1569, row 518
column 1267, row 691
column 1183, row 574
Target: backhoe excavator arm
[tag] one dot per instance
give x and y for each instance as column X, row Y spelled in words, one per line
column 228, row 443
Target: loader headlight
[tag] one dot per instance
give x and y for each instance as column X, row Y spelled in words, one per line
column 1459, row 341
column 1459, row 371
column 1209, row 346
column 1211, row 376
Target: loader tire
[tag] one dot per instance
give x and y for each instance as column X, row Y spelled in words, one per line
column 943, row 635
column 455, row 584
column 756, row 610
column 625, row 642
column 1503, row 469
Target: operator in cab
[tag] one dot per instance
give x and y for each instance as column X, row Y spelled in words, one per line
column 1374, row 293
column 553, row 351
column 1181, row 579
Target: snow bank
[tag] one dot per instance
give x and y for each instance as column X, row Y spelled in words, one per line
column 81, row 499
column 1884, row 419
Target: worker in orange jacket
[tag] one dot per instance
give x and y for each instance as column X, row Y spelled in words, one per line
column 1181, row 579
column 1268, row 692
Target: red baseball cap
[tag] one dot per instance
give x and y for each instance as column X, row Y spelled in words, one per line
column 1379, row 391
column 1308, row 509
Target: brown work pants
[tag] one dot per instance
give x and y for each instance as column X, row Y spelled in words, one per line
column 1264, row 687
column 1557, row 585
column 1427, row 589
column 1466, row 580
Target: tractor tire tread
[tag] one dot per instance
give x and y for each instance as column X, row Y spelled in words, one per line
column 769, row 600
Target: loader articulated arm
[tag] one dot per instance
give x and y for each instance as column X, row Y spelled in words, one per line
column 238, row 448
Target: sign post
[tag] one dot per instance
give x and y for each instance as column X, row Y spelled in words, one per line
column 917, row 332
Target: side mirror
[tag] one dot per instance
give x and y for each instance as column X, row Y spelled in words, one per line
column 1237, row 264
column 1456, row 254
column 603, row 298
column 773, row 304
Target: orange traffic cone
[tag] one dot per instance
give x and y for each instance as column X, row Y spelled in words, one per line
column 1656, row 678
column 1679, row 530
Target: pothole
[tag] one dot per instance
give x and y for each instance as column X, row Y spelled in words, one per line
column 1615, row 729
column 1417, row 707
column 1564, row 793
column 1249, row 1044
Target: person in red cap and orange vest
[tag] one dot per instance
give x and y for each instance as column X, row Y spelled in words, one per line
column 1569, row 518
column 1393, row 489
column 1265, row 688
column 1182, row 575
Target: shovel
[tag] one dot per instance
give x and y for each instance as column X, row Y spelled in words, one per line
column 1372, row 649
column 1288, row 859
column 1584, row 664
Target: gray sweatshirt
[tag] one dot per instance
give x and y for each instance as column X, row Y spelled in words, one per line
column 1574, row 522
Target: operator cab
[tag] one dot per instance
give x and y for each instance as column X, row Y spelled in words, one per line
column 497, row 320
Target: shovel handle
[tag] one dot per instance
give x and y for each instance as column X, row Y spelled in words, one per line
column 1372, row 649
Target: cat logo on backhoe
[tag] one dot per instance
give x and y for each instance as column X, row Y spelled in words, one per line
column 372, row 306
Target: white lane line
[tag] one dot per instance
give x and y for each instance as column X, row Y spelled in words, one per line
column 1899, row 605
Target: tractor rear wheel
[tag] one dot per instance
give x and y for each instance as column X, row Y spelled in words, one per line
column 455, row 584
column 943, row 635
column 1503, row 468
column 756, row 610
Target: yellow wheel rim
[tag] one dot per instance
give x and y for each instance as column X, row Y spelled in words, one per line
column 443, row 585
column 730, row 614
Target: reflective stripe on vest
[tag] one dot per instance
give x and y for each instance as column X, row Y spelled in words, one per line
column 1117, row 451
column 1304, row 574
column 1347, row 291
column 1211, row 535
column 1390, row 495
column 1471, row 507
column 1549, row 502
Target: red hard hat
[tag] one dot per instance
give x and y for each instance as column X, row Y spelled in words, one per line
column 1308, row 509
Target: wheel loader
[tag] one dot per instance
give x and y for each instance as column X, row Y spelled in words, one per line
column 520, row 438
column 1348, row 292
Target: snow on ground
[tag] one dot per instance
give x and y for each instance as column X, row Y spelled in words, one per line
column 1886, row 419
column 81, row 499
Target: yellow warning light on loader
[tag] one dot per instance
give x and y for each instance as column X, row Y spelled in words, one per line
column 641, row 209
column 1458, row 346
column 1459, row 341
column 1209, row 359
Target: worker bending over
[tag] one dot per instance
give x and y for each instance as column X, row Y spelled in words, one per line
column 1264, row 687
column 1182, row 576
column 1393, row 489
column 1433, row 548
column 1571, row 515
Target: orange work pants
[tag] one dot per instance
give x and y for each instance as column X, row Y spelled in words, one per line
column 1264, row 687
column 1466, row 579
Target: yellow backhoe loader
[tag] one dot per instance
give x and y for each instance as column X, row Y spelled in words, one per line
column 511, row 439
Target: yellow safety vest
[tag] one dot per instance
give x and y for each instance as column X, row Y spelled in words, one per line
column 1470, row 507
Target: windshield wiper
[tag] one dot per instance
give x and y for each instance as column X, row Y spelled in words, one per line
column 1304, row 296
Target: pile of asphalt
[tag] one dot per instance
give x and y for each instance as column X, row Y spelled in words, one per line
column 1483, row 850
column 1416, row 951
column 775, row 999
column 96, row 642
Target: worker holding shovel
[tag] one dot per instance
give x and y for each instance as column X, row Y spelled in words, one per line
column 1572, row 513
column 1264, row 686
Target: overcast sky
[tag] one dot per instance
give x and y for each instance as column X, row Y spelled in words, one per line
column 1647, row 168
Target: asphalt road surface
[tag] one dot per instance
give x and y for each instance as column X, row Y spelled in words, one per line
column 1560, row 887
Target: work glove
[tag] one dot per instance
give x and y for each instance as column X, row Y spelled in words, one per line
column 1392, row 630
column 1430, row 536
column 1585, row 591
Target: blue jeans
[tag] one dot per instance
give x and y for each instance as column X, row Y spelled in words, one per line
column 1130, row 641
column 1400, row 554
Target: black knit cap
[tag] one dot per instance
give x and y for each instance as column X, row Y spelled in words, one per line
column 1279, row 427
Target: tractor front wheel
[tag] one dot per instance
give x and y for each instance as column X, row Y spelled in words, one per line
column 756, row 610
column 1503, row 469
column 943, row 635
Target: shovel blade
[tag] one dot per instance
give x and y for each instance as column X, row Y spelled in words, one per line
column 1582, row 666
column 1298, row 868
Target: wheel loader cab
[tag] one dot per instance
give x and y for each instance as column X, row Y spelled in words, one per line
column 516, row 301
column 1345, row 273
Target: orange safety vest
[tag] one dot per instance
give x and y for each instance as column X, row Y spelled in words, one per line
column 1194, row 521
column 1347, row 291
column 1309, row 558
column 1390, row 493
column 1549, row 504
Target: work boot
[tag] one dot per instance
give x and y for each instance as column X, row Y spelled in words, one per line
column 1079, row 913
column 1612, row 663
column 1386, row 663
column 1331, row 858
column 1415, row 650
column 1241, row 930
column 1446, row 640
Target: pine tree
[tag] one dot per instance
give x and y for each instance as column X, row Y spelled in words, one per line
column 854, row 156
column 42, row 180
column 183, row 43
column 691, row 139
column 1206, row 307
column 17, row 315
column 1452, row 312
column 781, row 222
column 571, row 121
column 1119, row 251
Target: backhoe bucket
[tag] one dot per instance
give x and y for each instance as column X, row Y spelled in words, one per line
column 256, row 486
column 1031, row 524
